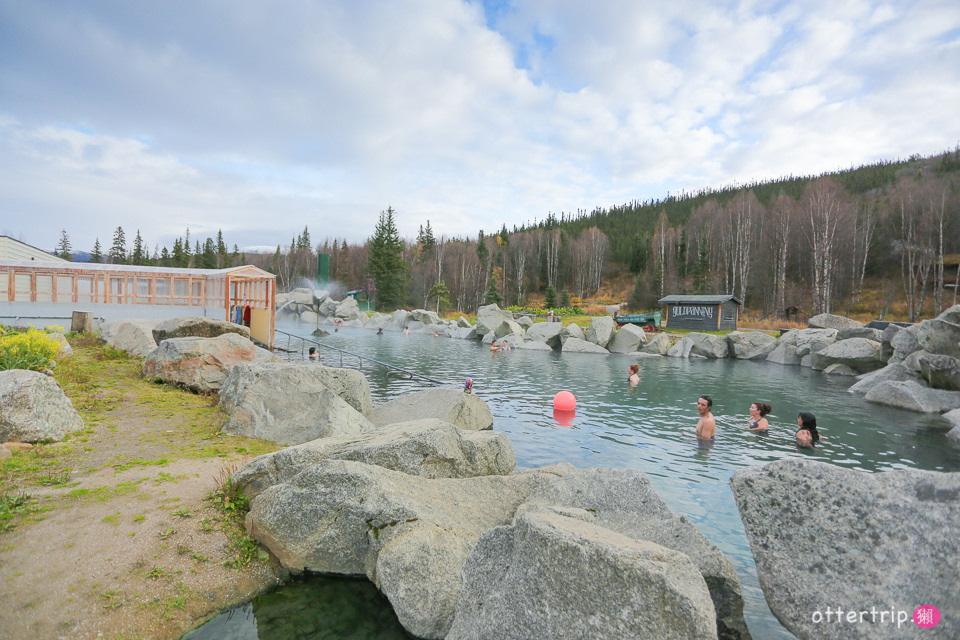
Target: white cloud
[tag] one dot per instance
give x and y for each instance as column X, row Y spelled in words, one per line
column 258, row 119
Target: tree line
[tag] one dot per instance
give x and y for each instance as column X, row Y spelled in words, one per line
column 807, row 242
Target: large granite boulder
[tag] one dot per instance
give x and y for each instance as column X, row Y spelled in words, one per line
column 33, row 408
column 953, row 417
column 302, row 296
column 940, row 336
column 913, row 396
column 524, row 321
column 708, row 345
column 786, row 350
column 572, row 330
column 378, row 321
column 905, row 343
column 859, row 354
column 820, row 534
column 463, row 410
column 814, row 340
column 601, row 330
column 292, row 404
column 509, row 328
column 193, row 326
column 490, row 317
column 657, row 345
column 831, row 321
column 530, row 345
column 133, row 336
column 552, row 576
column 427, row 317
column 548, row 332
column 199, row 364
column 942, row 372
column 429, row 448
column 409, row 535
column 681, row 348
column 895, row 372
column 327, row 307
column 349, row 309
column 860, row 332
column 624, row 501
column 750, row 345
column 628, row 339
column 886, row 340
column 576, row 345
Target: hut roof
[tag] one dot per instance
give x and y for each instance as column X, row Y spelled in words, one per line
column 717, row 299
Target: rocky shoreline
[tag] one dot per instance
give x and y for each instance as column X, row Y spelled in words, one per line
column 421, row 496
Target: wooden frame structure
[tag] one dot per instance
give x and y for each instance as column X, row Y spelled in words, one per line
column 217, row 292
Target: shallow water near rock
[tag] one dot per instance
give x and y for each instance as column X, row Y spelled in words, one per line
column 651, row 427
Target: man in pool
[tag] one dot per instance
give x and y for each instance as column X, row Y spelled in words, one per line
column 706, row 425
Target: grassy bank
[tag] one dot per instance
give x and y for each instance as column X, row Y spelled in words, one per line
column 126, row 528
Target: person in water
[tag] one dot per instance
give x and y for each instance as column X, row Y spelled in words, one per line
column 380, row 331
column 757, row 419
column 505, row 346
column 706, row 425
column 634, row 372
column 807, row 435
column 312, row 354
column 495, row 346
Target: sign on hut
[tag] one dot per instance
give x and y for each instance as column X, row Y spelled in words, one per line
column 702, row 313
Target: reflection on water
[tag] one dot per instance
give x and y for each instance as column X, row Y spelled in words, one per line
column 309, row 608
column 651, row 427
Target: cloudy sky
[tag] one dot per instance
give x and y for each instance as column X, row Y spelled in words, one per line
column 259, row 118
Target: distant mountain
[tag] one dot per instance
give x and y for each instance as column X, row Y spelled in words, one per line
column 81, row 256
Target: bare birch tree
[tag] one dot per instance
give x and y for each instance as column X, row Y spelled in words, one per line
column 825, row 216
column 784, row 214
column 914, row 244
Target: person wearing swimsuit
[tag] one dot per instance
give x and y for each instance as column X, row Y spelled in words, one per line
column 757, row 419
column 807, row 435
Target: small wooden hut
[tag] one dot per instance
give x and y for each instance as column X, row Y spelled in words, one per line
column 702, row 313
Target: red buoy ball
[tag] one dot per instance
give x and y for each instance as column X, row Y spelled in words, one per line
column 564, row 401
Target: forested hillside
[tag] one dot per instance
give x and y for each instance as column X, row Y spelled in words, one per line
column 809, row 242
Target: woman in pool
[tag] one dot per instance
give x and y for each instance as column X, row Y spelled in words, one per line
column 634, row 373
column 757, row 419
column 807, row 435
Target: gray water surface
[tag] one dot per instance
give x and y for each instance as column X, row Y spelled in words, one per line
column 651, row 427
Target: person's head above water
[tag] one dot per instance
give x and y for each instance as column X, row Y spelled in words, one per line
column 704, row 403
column 762, row 408
column 635, row 368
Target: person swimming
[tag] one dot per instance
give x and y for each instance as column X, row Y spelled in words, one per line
column 757, row 419
column 807, row 435
column 634, row 373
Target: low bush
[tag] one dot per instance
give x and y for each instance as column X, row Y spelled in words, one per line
column 31, row 349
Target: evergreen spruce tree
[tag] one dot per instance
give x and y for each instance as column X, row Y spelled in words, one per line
column 118, row 252
column 97, row 254
column 164, row 257
column 492, row 295
column 178, row 258
column 426, row 244
column 440, row 293
column 63, row 247
column 138, row 256
column 385, row 263
column 208, row 258
column 564, row 299
column 221, row 250
column 550, row 298
column 235, row 257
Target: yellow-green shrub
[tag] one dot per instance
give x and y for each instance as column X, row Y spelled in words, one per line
column 32, row 349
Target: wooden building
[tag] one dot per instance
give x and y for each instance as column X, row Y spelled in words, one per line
column 41, row 292
column 702, row 313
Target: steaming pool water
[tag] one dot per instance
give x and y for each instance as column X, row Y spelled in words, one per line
column 649, row 427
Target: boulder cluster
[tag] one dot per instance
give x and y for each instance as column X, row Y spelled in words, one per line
column 427, row 504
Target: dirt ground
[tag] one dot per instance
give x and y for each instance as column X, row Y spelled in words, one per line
column 118, row 539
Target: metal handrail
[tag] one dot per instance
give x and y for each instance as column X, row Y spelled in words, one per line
column 361, row 358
